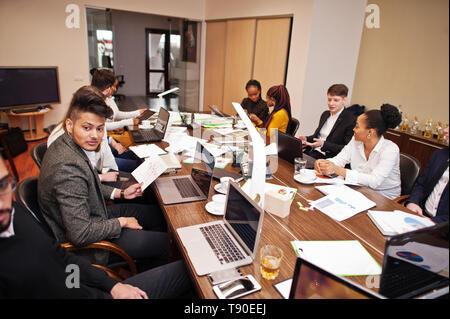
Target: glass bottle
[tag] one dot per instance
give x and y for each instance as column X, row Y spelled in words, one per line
column 405, row 123
column 428, row 129
column 415, row 126
column 439, row 131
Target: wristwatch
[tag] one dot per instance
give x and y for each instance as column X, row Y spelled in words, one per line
column 122, row 194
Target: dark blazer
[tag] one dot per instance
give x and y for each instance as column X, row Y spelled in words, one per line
column 71, row 198
column 425, row 185
column 33, row 265
column 340, row 134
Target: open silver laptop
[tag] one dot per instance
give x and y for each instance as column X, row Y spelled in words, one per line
column 229, row 243
column 155, row 134
column 189, row 188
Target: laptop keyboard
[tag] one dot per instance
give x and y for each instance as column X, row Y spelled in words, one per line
column 185, row 187
column 222, row 245
column 149, row 135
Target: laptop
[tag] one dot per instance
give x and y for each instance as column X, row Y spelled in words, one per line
column 154, row 134
column 217, row 111
column 189, row 188
column 312, row 282
column 290, row 147
column 239, row 233
column 416, row 263
column 146, row 115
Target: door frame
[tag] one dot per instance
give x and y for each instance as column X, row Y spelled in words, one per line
column 166, row 60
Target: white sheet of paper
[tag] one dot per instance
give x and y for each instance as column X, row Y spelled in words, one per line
column 149, row 170
column 147, row 150
column 340, row 257
column 284, row 288
column 343, row 204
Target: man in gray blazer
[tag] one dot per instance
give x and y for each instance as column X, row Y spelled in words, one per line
column 72, row 198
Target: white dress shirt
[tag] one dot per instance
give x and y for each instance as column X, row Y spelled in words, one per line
column 381, row 171
column 327, row 127
column 432, row 203
column 103, row 161
column 120, row 119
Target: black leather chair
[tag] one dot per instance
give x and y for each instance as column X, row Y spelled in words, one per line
column 409, row 172
column 293, row 127
column 38, row 152
column 26, row 195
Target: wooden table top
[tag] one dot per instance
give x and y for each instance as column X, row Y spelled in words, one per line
column 298, row 224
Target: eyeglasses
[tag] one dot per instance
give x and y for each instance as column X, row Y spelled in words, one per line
column 7, row 185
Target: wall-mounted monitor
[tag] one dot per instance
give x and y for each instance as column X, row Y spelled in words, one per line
column 28, row 86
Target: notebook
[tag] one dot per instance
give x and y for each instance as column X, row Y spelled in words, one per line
column 189, row 188
column 239, row 231
column 290, row 147
column 154, row 134
column 415, row 263
column 312, row 282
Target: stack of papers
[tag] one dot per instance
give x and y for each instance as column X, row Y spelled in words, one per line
column 147, row 150
column 397, row 222
column 340, row 257
column 342, row 202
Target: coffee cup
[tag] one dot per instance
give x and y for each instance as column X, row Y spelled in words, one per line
column 224, row 181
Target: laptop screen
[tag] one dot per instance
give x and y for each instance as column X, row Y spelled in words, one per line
column 203, row 168
column 243, row 217
column 415, row 262
column 163, row 119
column 312, row 282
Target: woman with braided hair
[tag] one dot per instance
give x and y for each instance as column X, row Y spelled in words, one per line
column 280, row 117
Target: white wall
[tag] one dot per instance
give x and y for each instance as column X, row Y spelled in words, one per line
column 33, row 33
column 332, row 56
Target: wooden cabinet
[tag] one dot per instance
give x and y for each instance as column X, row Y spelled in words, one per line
column 238, row 50
column 415, row 145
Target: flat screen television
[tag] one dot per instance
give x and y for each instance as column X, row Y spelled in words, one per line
column 22, row 87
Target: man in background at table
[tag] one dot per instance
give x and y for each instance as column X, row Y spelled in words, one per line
column 430, row 195
column 335, row 128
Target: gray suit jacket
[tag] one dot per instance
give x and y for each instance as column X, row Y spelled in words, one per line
column 71, row 198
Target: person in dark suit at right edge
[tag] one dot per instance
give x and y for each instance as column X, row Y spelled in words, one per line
column 335, row 128
column 429, row 197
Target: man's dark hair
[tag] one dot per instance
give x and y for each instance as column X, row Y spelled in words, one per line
column 88, row 99
column 103, row 79
column 338, row 90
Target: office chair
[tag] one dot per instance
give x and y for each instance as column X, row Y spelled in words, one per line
column 26, row 195
column 293, row 127
column 409, row 172
column 121, row 83
column 38, row 152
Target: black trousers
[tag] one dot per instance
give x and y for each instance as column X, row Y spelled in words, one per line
column 165, row 282
column 150, row 243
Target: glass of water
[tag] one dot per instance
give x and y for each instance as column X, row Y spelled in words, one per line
column 299, row 164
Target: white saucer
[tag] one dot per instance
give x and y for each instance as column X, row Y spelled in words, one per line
column 219, row 198
column 219, row 188
column 303, row 180
column 211, row 208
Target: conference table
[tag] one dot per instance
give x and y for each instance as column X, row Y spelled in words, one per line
column 298, row 225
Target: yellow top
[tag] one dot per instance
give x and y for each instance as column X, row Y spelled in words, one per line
column 280, row 120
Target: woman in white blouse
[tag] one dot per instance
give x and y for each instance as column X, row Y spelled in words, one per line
column 374, row 161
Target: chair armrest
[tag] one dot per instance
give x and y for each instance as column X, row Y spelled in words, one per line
column 401, row 199
column 106, row 245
